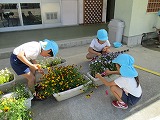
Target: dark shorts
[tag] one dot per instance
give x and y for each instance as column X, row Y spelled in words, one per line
column 18, row 66
column 98, row 51
column 130, row 99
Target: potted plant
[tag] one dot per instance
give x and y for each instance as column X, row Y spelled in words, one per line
column 21, row 91
column 49, row 62
column 101, row 63
column 13, row 109
column 7, row 79
column 63, row 82
column 52, row 61
column 14, row 105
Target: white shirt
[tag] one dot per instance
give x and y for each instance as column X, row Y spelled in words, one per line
column 31, row 50
column 129, row 85
column 97, row 46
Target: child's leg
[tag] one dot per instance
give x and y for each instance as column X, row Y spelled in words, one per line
column 31, row 81
column 117, row 92
column 90, row 56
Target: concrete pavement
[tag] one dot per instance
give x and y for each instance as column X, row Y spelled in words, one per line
column 99, row 107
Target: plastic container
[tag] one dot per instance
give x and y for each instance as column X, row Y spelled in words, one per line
column 116, row 28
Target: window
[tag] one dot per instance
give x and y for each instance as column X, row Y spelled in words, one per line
column 31, row 13
column 153, row 6
column 51, row 15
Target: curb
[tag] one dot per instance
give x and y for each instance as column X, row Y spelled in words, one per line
column 6, row 52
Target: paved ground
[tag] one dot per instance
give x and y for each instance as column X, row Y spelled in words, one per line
column 99, row 107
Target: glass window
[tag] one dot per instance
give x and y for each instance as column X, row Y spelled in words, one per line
column 31, row 13
column 9, row 16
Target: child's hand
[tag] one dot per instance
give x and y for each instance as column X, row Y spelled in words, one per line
column 105, row 49
column 98, row 54
column 108, row 72
column 98, row 75
column 40, row 70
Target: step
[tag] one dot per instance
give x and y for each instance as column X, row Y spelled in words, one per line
column 6, row 52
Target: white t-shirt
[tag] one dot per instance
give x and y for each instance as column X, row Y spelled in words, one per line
column 31, row 50
column 97, row 46
column 129, row 85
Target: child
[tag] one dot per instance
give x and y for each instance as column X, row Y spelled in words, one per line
column 126, row 88
column 23, row 59
column 99, row 45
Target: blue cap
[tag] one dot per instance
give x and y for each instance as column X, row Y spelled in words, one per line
column 50, row 44
column 117, row 44
column 102, row 35
column 126, row 62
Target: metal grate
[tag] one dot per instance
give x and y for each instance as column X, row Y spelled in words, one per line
column 51, row 15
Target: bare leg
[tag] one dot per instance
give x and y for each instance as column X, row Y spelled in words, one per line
column 117, row 92
column 31, row 81
column 90, row 56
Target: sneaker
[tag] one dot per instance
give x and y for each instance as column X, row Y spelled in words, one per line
column 118, row 104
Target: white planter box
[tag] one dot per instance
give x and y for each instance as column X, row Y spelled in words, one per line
column 8, row 85
column 27, row 101
column 98, row 82
column 71, row 93
column 38, row 75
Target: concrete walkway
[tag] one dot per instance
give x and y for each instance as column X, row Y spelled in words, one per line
column 99, row 107
column 74, row 42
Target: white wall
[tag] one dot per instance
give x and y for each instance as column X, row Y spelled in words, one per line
column 69, row 12
column 133, row 13
column 123, row 11
column 80, row 11
column 104, row 10
column 50, row 8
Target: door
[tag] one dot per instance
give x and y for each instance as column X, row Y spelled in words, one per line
column 110, row 10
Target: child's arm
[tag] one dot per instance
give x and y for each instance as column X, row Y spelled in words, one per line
column 112, row 83
column 108, row 72
column 21, row 56
column 90, row 50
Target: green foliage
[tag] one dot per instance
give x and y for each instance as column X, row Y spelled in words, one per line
column 49, row 62
column 100, row 63
column 13, row 104
column 6, row 76
column 21, row 91
column 14, row 109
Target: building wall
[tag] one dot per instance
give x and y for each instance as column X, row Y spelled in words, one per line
column 137, row 20
column 70, row 12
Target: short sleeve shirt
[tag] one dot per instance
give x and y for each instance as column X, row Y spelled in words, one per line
column 129, row 85
column 97, row 46
column 31, row 50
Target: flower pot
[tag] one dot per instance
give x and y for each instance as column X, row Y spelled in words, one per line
column 38, row 75
column 27, row 101
column 8, row 85
column 98, row 82
column 72, row 92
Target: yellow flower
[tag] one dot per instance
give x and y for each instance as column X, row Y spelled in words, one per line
column 1, row 92
column 6, row 109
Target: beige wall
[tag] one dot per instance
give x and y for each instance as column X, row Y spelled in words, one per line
column 133, row 13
